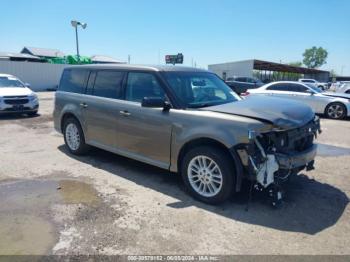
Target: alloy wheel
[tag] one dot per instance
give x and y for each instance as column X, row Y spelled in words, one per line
column 72, row 136
column 205, row 176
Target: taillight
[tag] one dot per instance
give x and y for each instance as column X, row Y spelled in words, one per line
column 245, row 94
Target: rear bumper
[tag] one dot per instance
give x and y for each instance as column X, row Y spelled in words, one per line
column 297, row 159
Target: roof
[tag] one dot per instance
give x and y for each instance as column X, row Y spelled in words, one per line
column 279, row 67
column 105, row 59
column 272, row 66
column 155, row 68
column 43, row 52
column 6, row 75
column 18, row 55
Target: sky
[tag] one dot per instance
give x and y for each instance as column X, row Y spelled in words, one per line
column 205, row 31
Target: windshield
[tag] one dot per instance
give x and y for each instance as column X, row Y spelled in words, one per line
column 314, row 88
column 10, row 82
column 200, row 89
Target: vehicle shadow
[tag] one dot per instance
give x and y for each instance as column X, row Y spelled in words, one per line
column 309, row 207
column 16, row 116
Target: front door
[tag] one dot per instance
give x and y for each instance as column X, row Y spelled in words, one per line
column 144, row 133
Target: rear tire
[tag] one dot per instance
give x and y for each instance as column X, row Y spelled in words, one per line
column 336, row 111
column 208, row 174
column 74, row 137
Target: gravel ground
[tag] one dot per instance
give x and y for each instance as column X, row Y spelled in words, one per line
column 56, row 203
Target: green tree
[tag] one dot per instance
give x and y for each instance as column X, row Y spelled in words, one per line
column 315, row 57
column 296, row 63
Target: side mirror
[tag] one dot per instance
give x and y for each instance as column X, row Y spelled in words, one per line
column 27, row 85
column 155, row 102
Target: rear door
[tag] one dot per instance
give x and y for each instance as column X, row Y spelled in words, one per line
column 144, row 133
column 70, row 94
column 101, row 107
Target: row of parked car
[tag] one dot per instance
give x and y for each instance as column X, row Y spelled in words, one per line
column 188, row 121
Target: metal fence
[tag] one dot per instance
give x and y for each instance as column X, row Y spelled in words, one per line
column 41, row 76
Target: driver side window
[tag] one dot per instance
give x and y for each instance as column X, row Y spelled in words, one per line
column 140, row 85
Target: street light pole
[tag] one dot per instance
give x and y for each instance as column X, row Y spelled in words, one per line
column 75, row 24
column 77, row 41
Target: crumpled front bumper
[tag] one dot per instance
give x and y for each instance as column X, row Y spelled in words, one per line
column 296, row 159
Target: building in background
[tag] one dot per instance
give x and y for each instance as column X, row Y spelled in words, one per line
column 267, row 71
column 42, row 67
column 101, row 59
column 43, row 53
column 7, row 56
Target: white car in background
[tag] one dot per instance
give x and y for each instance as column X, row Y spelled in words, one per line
column 344, row 87
column 323, row 86
column 17, row 97
column 333, row 105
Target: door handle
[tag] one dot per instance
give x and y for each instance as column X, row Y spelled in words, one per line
column 83, row 105
column 124, row 113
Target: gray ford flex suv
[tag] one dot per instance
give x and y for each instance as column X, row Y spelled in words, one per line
column 188, row 121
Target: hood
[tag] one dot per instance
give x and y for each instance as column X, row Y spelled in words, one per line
column 282, row 113
column 341, row 95
column 15, row 91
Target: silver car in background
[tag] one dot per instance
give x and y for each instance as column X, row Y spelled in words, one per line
column 333, row 105
column 344, row 87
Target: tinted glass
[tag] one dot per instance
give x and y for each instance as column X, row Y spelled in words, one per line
column 73, row 80
column 108, row 84
column 241, row 79
column 297, row 88
column 91, row 82
column 197, row 90
column 142, row 85
column 278, row 87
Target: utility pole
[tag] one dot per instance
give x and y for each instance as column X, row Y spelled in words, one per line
column 75, row 24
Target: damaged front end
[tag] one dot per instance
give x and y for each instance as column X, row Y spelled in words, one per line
column 271, row 158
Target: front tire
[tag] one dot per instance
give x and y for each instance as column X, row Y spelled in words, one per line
column 74, row 137
column 336, row 111
column 208, row 174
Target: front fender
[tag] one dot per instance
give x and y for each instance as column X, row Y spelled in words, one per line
column 181, row 137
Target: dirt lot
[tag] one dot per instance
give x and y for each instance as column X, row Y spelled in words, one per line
column 56, row 203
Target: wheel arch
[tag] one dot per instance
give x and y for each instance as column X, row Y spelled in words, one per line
column 205, row 141
column 67, row 115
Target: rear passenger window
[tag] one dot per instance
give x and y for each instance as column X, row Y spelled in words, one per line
column 108, row 84
column 73, row 80
column 142, row 85
column 278, row 87
column 297, row 88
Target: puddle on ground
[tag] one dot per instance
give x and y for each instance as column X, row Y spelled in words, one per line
column 26, row 225
column 329, row 150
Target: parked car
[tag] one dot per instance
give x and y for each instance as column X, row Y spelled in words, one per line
column 333, row 105
column 241, row 84
column 189, row 121
column 17, row 97
column 344, row 87
column 323, row 86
